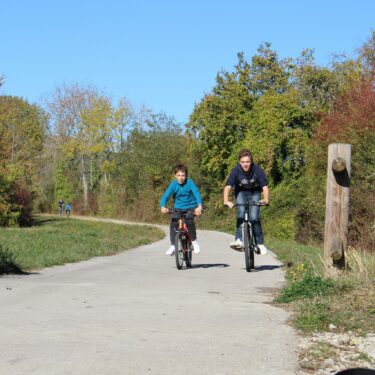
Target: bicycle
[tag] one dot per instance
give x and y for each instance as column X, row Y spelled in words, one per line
column 183, row 244
column 249, row 241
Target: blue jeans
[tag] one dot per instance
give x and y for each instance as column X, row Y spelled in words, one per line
column 254, row 215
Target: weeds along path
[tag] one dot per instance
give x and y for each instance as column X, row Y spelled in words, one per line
column 135, row 313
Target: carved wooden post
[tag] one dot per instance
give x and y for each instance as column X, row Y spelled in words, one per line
column 337, row 204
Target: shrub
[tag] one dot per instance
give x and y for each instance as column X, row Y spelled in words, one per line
column 302, row 283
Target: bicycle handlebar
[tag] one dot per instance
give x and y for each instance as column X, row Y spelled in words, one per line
column 259, row 203
column 184, row 212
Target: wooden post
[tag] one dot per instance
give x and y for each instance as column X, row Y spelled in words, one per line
column 337, row 204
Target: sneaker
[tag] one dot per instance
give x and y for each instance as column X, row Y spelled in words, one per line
column 170, row 251
column 237, row 245
column 196, row 247
column 262, row 249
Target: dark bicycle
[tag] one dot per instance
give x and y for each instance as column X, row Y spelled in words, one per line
column 183, row 243
column 249, row 240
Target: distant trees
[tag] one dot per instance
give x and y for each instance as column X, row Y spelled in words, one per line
column 108, row 159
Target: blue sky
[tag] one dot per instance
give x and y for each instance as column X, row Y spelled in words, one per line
column 163, row 54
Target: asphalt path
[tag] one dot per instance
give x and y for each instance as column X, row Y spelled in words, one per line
column 135, row 313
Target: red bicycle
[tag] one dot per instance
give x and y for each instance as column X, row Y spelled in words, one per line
column 183, row 245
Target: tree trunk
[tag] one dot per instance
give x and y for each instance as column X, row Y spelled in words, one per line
column 84, row 185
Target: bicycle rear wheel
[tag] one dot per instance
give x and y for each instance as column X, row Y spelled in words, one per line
column 179, row 251
column 249, row 261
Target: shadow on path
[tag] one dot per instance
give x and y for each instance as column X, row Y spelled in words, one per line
column 267, row 267
column 219, row 265
column 8, row 265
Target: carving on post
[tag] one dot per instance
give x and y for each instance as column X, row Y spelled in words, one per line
column 337, row 204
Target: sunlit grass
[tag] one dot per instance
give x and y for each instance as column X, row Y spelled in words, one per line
column 55, row 241
column 346, row 300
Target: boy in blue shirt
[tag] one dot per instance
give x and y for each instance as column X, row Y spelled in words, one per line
column 186, row 198
column 68, row 209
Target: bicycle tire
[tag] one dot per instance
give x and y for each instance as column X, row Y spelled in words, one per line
column 179, row 252
column 189, row 256
column 246, row 245
column 253, row 249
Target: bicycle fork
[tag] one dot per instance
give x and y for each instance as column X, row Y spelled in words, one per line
column 246, row 219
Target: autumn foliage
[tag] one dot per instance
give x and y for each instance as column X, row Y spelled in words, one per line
column 352, row 120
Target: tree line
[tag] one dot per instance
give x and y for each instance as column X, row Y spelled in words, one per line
column 110, row 160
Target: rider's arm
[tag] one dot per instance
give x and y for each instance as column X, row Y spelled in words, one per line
column 195, row 192
column 226, row 196
column 266, row 195
column 165, row 197
column 197, row 195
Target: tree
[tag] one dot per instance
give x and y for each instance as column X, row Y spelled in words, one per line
column 278, row 134
column 148, row 158
column 267, row 72
column 219, row 121
column 22, row 132
column 82, row 120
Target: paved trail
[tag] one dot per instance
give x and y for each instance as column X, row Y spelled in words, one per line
column 135, row 313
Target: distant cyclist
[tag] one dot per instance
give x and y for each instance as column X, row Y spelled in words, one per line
column 61, row 206
column 249, row 182
column 186, row 198
column 68, row 209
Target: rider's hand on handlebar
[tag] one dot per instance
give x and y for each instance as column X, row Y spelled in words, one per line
column 164, row 210
column 229, row 204
column 198, row 211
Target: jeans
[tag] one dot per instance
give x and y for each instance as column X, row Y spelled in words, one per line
column 189, row 220
column 254, row 215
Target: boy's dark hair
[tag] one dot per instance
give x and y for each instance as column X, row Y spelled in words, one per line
column 182, row 168
column 245, row 152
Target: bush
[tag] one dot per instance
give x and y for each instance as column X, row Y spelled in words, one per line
column 302, row 283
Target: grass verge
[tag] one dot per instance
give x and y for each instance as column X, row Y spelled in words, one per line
column 56, row 241
column 344, row 303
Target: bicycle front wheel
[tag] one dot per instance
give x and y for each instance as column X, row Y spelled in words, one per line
column 188, row 254
column 179, row 251
column 249, row 255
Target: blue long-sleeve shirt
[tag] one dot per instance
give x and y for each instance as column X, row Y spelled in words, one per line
column 185, row 196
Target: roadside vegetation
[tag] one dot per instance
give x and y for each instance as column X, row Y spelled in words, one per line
column 341, row 303
column 55, row 241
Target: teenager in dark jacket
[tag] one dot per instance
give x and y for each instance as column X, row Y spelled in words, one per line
column 249, row 182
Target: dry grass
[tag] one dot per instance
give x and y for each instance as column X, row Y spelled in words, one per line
column 349, row 306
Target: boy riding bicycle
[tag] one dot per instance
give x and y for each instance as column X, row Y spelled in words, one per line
column 249, row 181
column 186, row 198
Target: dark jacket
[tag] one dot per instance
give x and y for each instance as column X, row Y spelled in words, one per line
column 253, row 181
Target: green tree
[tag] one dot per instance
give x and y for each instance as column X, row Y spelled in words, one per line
column 22, row 132
column 267, row 72
column 148, row 158
column 219, row 121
